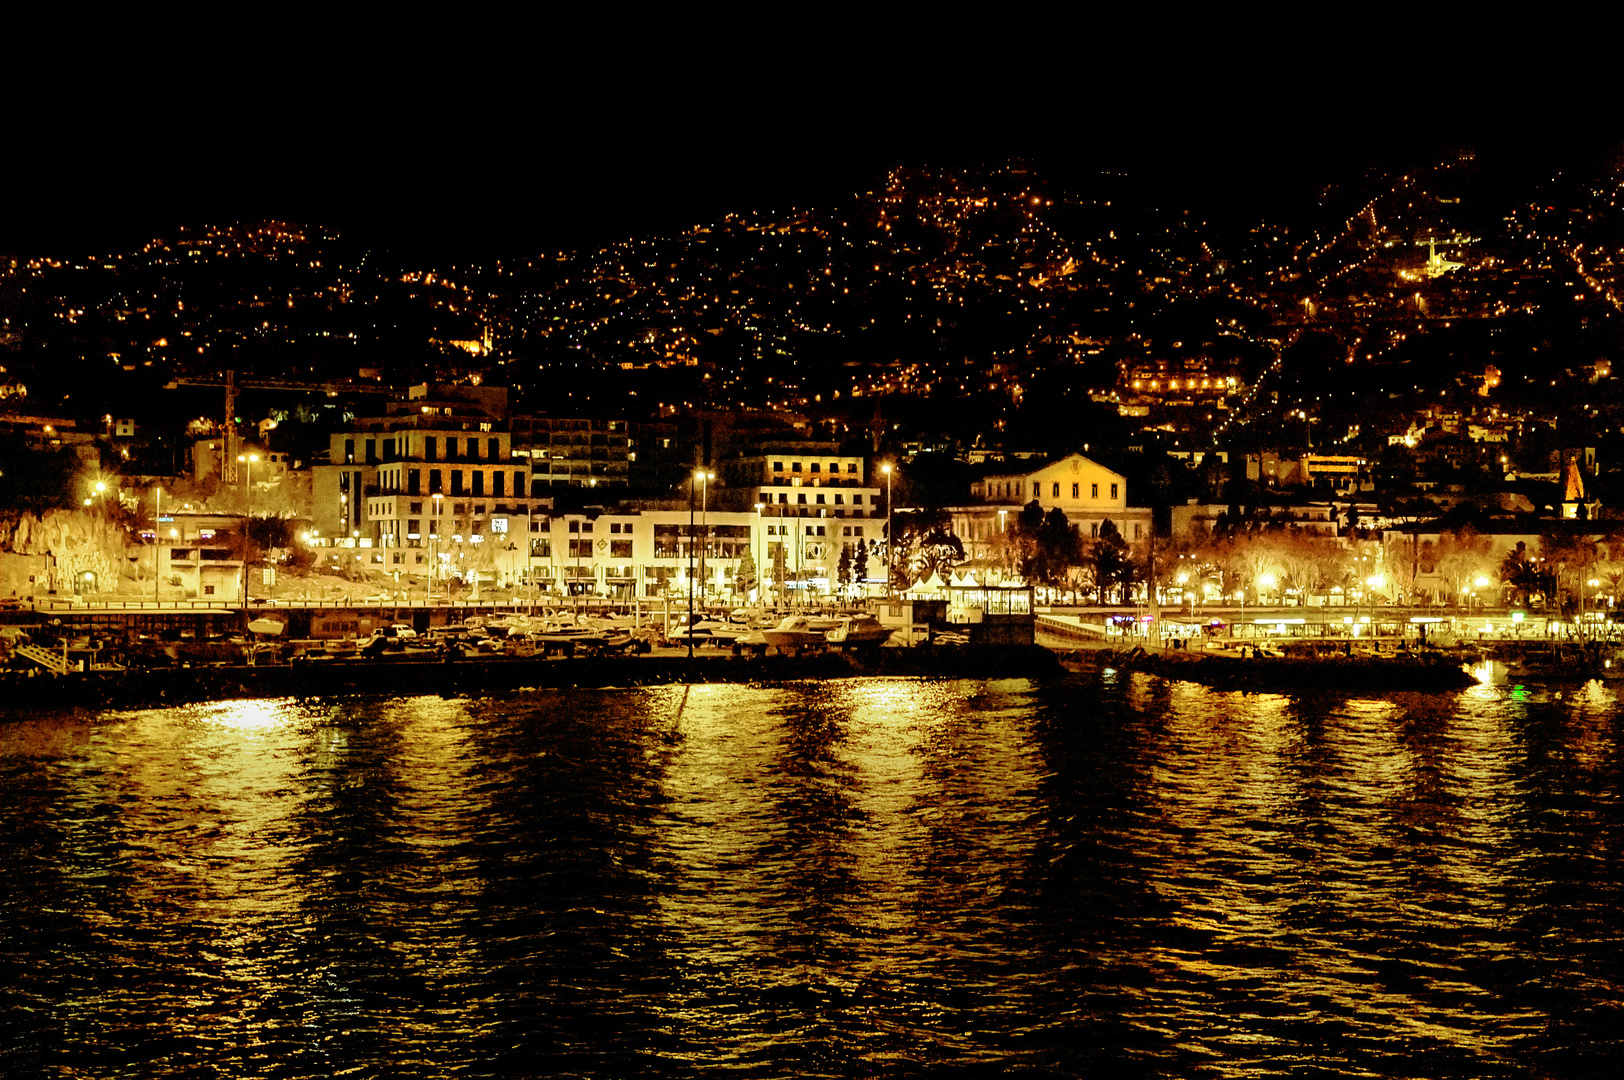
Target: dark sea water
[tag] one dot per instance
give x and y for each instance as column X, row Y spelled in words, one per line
column 1099, row 876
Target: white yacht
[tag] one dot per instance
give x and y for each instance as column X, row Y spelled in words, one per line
column 795, row 632
column 860, row 630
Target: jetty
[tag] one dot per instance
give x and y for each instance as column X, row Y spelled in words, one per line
column 469, row 675
column 1357, row 675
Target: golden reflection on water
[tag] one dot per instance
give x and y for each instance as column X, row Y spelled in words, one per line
column 216, row 803
column 247, row 714
column 848, row 805
column 437, row 808
column 206, row 804
column 891, row 735
column 846, row 872
column 1402, row 785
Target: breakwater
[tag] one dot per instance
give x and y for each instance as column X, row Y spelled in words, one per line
column 1262, row 674
column 475, row 676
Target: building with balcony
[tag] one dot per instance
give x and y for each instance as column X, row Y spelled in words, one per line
column 630, row 552
column 424, row 486
column 807, row 480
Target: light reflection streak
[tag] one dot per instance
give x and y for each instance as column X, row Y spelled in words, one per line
column 869, row 810
column 212, row 796
column 436, row 807
column 1399, row 783
column 890, row 729
column 246, row 714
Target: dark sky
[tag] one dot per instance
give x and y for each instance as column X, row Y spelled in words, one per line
column 462, row 151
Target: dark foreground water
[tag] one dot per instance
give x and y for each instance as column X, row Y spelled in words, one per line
column 1106, row 876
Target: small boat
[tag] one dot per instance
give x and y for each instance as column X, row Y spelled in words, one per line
column 860, row 630
column 795, row 632
column 706, row 630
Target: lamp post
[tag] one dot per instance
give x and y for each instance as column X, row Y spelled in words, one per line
column 1003, row 543
column 890, row 582
column 823, row 545
column 1375, row 581
column 434, row 565
column 248, row 517
column 704, row 477
column 761, row 592
column 157, row 536
column 691, row 541
column 1265, row 582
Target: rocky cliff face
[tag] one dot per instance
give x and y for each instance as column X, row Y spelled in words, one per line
column 59, row 547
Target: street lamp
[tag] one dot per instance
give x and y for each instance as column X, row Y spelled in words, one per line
column 824, row 546
column 434, row 565
column 248, row 517
column 889, row 573
column 157, row 536
column 704, row 479
column 1375, row 581
column 761, row 592
column 1003, row 543
column 529, row 555
column 692, row 540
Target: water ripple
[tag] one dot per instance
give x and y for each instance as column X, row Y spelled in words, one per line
column 1115, row 875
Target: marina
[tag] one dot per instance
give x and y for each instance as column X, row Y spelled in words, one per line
column 125, row 656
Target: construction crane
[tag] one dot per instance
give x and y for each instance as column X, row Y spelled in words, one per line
column 233, row 386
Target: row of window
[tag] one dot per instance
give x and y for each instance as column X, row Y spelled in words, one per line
column 456, row 448
column 463, row 482
column 819, row 498
column 834, row 467
column 814, row 530
column 1009, row 488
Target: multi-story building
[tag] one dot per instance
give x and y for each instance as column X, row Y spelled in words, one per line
column 1087, row 492
column 435, row 489
column 583, row 452
column 431, row 487
column 596, row 452
column 202, row 554
column 629, row 551
column 830, row 497
column 808, row 480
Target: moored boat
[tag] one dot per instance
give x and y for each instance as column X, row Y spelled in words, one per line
column 794, row 632
column 859, row 630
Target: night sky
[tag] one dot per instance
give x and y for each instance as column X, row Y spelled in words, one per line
column 565, row 147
